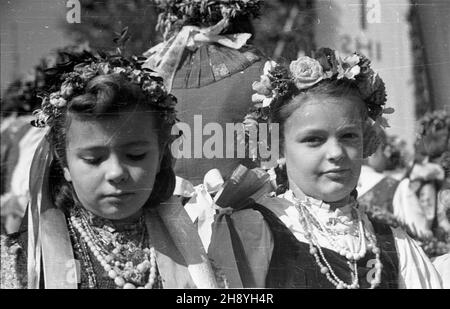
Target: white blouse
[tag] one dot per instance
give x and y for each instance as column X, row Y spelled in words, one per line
column 415, row 268
column 442, row 265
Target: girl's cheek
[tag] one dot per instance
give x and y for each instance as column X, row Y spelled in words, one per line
column 139, row 171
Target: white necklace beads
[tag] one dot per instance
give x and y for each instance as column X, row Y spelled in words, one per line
column 127, row 274
column 310, row 221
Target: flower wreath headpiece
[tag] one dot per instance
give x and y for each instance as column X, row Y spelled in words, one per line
column 177, row 13
column 76, row 73
column 304, row 73
column 434, row 134
column 434, row 121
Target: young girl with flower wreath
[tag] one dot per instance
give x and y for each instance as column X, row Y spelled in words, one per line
column 101, row 213
column 431, row 172
column 315, row 235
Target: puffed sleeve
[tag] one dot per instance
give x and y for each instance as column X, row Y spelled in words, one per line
column 242, row 246
column 442, row 265
column 415, row 269
column 407, row 209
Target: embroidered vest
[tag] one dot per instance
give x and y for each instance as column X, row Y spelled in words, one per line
column 181, row 261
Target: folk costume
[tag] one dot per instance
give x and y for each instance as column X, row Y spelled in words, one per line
column 67, row 246
column 286, row 241
column 275, row 247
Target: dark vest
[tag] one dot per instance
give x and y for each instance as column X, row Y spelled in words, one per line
column 292, row 266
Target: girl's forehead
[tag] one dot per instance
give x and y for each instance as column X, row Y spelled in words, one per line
column 116, row 130
column 328, row 112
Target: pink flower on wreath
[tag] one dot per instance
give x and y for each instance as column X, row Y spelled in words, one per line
column 57, row 100
column 67, row 90
column 250, row 122
column 104, row 68
column 136, row 76
column 119, row 70
column 263, row 86
column 264, row 90
column 306, row 72
column 349, row 67
column 86, row 72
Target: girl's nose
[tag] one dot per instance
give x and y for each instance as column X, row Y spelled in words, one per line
column 116, row 172
column 335, row 151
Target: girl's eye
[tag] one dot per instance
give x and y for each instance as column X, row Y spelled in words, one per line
column 136, row 157
column 350, row 136
column 313, row 141
column 92, row 160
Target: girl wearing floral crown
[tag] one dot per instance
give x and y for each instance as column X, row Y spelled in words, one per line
column 430, row 178
column 101, row 213
column 431, row 172
column 315, row 235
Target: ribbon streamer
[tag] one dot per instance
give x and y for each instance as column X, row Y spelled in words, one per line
column 233, row 194
column 201, row 206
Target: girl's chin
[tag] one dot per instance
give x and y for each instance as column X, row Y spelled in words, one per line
column 336, row 194
column 114, row 212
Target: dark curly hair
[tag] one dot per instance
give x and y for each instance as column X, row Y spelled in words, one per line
column 104, row 96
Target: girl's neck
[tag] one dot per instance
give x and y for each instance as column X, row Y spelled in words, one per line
column 119, row 225
column 129, row 220
column 299, row 194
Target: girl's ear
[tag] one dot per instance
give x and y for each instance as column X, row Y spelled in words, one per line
column 67, row 174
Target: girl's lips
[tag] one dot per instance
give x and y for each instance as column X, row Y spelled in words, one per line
column 116, row 199
column 118, row 194
column 337, row 174
column 337, row 171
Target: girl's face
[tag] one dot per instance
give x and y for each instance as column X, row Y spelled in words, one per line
column 112, row 163
column 323, row 147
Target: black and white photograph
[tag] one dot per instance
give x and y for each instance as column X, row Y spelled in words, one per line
column 231, row 147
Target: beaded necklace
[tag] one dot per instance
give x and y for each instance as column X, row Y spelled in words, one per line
column 352, row 230
column 366, row 242
column 128, row 263
column 81, row 248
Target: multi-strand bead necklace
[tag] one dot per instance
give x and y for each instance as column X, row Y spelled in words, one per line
column 311, row 224
column 128, row 264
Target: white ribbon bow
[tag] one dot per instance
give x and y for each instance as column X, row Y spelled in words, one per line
column 201, row 206
column 165, row 57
